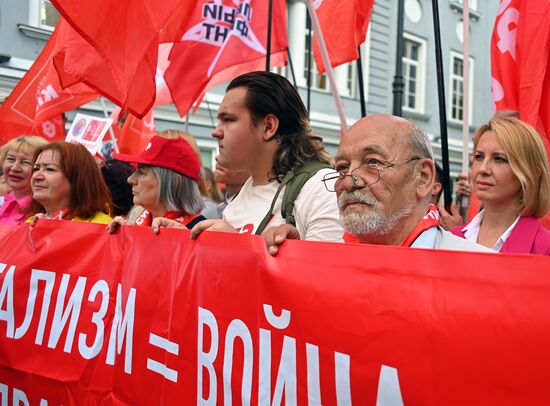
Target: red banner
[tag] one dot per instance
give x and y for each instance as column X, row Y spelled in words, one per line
column 520, row 59
column 134, row 318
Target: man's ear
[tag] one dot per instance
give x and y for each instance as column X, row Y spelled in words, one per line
column 425, row 178
column 270, row 125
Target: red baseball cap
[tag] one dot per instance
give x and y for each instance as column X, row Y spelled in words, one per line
column 171, row 153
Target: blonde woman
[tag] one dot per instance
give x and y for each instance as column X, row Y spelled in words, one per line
column 17, row 172
column 510, row 177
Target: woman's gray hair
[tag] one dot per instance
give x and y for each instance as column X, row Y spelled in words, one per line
column 177, row 191
column 420, row 143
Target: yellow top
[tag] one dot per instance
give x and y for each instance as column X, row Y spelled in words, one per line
column 98, row 218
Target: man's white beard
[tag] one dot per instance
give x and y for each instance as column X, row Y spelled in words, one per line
column 373, row 223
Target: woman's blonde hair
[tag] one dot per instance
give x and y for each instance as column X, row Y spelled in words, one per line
column 528, row 161
column 26, row 143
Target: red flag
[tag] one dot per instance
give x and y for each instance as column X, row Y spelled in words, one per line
column 222, row 35
column 113, row 48
column 135, row 133
column 37, row 102
column 520, row 53
column 344, row 24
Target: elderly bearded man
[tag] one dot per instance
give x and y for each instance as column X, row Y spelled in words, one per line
column 384, row 178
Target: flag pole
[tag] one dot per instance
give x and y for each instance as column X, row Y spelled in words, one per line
column 111, row 132
column 291, row 65
column 465, row 91
column 442, row 110
column 398, row 84
column 328, row 66
column 361, row 86
column 308, row 76
column 269, row 27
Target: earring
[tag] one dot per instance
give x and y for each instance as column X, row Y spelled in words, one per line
column 520, row 201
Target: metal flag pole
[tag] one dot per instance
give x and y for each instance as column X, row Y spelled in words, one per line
column 465, row 93
column 111, row 132
column 291, row 65
column 447, row 194
column 308, row 63
column 328, row 66
column 269, row 27
column 398, row 84
column 361, row 86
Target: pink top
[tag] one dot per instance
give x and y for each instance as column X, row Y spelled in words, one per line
column 10, row 212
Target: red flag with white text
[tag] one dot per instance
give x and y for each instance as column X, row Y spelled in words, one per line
column 114, row 45
column 223, row 36
column 36, row 103
column 520, row 57
column 344, row 25
column 134, row 318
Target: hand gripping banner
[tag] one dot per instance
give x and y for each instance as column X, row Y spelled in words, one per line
column 135, row 318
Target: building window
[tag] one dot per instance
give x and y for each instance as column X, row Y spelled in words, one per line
column 457, row 88
column 472, row 4
column 43, row 14
column 49, row 16
column 414, row 62
column 318, row 82
column 280, row 70
column 351, row 79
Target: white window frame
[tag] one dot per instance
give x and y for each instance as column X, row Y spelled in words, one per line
column 352, row 89
column 472, row 4
column 35, row 8
column 209, row 146
column 420, row 90
column 313, row 68
column 452, row 77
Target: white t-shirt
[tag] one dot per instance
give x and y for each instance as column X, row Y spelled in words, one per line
column 315, row 209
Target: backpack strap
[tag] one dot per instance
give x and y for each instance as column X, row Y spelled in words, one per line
column 302, row 174
column 294, row 180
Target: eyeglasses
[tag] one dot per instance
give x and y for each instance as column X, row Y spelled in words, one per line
column 361, row 176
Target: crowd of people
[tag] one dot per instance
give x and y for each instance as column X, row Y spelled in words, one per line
column 383, row 186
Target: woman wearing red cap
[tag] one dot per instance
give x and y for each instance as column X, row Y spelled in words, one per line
column 166, row 183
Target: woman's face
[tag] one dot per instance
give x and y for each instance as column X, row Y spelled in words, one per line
column 50, row 187
column 17, row 169
column 145, row 188
column 492, row 176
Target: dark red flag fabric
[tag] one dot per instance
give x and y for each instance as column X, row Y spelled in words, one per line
column 520, row 54
column 137, row 318
column 114, row 45
column 224, row 38
column 344, row 25
column 36, row 103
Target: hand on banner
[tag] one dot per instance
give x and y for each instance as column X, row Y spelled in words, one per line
column 37, row 217
column 463, row 187
column 452, row 219
column 116, row 223
column 164, row 222
column 212, row 225
column 275, row 236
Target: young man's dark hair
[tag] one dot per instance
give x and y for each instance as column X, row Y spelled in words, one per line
column 269, row 93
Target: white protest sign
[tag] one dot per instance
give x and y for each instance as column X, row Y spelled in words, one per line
column 88, row 131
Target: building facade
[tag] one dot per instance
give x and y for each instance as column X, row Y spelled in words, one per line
column 25, row 25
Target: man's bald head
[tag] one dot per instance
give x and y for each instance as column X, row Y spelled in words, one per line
column 402, row 129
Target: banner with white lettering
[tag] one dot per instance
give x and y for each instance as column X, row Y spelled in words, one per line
column 135, row 318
